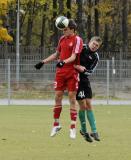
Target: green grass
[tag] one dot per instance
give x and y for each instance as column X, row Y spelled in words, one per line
column 24, row 135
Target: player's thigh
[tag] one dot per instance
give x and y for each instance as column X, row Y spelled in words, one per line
column 89, row 104
column 84, row 91
column 82, row 104
column 72, row 96
column 58, row 97
column 59, row 83
column 72, row 83
column 81, row 92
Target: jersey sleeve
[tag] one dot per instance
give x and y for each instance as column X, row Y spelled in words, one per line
column 78, row 45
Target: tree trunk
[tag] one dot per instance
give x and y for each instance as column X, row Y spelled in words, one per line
column 43, row 27
column 96, row 22
column 124, row 25
column 68, row 4
column 79, row 19
column 105, row 39
column 61, row 7
column 89, row 21
column 30, row 22
column 55, row 30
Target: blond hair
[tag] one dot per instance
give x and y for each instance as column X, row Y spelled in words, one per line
column 97, row 39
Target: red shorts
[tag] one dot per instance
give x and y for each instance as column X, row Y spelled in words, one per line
column 66, row 79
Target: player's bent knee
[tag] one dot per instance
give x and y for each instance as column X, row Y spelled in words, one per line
column 82, row 107
column 89, row 107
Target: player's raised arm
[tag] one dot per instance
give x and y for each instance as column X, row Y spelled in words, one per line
column 52, row 57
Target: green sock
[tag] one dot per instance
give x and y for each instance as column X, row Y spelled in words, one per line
column 82, row 120
column 91, row 119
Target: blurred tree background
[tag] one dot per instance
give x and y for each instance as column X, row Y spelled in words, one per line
column 107, row 18
column 4, row 35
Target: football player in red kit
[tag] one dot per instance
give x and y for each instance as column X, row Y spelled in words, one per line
column 67, row 53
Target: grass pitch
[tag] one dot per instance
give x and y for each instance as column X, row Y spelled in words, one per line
column 24, row 135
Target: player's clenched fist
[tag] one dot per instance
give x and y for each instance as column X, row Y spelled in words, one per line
column 60, row 64
column 39, row 65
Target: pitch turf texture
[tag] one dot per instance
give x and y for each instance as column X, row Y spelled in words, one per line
column 24, row 135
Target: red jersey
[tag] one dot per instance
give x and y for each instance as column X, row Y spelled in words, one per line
column 67, row 46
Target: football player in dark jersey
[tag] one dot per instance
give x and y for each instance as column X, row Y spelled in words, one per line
column 88, row 61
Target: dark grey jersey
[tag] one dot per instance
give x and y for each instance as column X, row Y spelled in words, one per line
column 89, row 60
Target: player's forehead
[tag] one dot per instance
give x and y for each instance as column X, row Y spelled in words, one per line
column 94, row 42
column 66, row 29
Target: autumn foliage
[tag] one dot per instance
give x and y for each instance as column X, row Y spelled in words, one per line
column 4, row 35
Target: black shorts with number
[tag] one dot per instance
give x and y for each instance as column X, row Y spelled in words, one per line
column 84, row 90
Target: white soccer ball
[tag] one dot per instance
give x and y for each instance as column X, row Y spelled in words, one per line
column 61, row 22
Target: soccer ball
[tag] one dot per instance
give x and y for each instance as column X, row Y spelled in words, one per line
column 61, row 22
